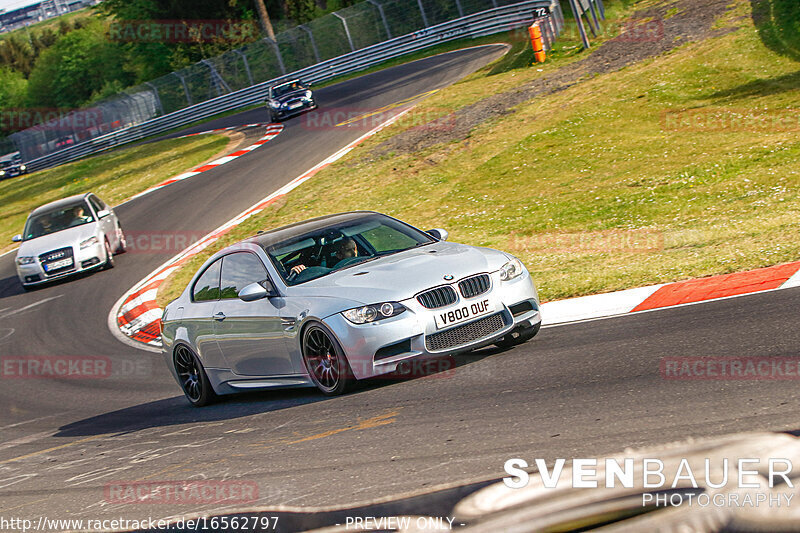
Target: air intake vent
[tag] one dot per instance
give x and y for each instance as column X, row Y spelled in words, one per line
column 462, row 335
column 438, row 297
column 475, row 285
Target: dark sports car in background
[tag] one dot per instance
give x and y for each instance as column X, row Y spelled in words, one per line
column 339, row 298
column 289, row 99
column 12, row 167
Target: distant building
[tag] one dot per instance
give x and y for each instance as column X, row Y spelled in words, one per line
column 25, row 16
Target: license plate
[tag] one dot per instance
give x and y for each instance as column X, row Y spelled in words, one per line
column 463, row 313
column 295, row 105
column 58, row 264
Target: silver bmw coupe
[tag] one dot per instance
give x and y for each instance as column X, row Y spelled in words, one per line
column 336, row 299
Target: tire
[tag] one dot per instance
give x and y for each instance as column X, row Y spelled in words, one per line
column 518, row 336
column 273, row 117
column 122, row 247
column 325, row 361
column 192, row 377
column 109, row 264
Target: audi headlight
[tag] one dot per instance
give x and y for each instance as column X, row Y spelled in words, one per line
column 308, row 95
column 511, row 270
column 25, row 260
column 371, row 313
column 89, row 242
column 22, row 167
column 2, row 172
column 274, row 103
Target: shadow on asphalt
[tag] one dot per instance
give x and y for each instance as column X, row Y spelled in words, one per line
column 176, row 411
column 11, row 285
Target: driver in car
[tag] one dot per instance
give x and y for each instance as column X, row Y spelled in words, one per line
column 345, row 248
column 79, row 216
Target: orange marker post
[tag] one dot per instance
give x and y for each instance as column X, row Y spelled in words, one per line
column 537, row 43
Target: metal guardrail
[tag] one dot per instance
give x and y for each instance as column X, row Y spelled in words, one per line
column 487, row 22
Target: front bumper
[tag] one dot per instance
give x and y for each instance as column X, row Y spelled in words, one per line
column 86, row 259
column 284, row 111
column 377, row 348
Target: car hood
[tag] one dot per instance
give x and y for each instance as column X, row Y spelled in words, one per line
column 59, row 239
column 400, row 276
column 290, row 96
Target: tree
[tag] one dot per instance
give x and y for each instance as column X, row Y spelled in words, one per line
column 78, row 65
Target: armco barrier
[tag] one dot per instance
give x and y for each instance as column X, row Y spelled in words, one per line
column 487, row 22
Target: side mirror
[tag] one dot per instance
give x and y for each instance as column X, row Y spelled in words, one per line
column 438, row 233
column 103, row 213
column 257, row 291
column 16, row 238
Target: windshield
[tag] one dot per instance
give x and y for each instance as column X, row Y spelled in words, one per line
column 286, row 88
column 59, row 219
column 316, row 254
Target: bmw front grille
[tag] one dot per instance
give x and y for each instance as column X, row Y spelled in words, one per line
column 438, row 297
column 474, row 285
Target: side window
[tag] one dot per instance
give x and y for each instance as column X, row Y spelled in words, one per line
column 207, row 285
column 239, row 270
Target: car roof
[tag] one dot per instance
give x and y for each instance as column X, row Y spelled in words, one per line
column 268, row 238
column 59, row 203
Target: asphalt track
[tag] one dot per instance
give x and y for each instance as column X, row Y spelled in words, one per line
column 576, row 390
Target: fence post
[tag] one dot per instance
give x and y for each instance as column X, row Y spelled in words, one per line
column 383, row 17
column 346, row 30
column 185, row 89
column 593, row 9
column 246, row 65
column 559, row 17
column 217, row 80
column 277, row 54
column 158, row 98
column 579, row 22
column 460, row 9
column 602, row 9
column 422, row 11
column 313, row 42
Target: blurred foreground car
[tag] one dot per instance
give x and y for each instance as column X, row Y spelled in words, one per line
column 339, row 298
column 66, row 237
column 289, row 99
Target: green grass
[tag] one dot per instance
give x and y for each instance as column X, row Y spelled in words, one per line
column 779, row 25
column 592, row 187
column 114, row 177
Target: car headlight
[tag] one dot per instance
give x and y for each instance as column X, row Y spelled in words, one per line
column 371, row 313
column 89, row 242
column 23, row 167
column 25, row 260
column 2, row 172
column 274, row 103
column 511, row 270
column 308, row 95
